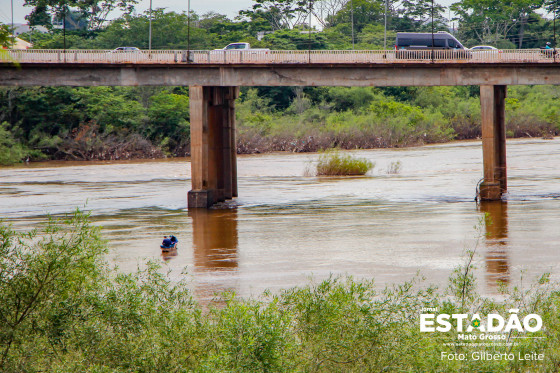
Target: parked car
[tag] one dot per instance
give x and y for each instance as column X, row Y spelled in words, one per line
column 413, row 45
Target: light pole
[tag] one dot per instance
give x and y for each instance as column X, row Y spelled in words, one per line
column 385, row 32
column 352, row 20
column 432, row 30
column 13, row 37
column 309, row 39
column 150, row 29
column 188, row 29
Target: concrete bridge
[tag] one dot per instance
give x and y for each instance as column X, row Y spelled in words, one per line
column 214, row 78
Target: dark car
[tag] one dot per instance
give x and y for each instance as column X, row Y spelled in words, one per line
column 425, row 45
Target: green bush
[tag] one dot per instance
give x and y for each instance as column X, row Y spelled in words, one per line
column 11, row 151
column 333, row 163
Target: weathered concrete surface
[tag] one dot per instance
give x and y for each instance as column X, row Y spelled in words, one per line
column 403, row 74
column 213, row 158
column 492, row 110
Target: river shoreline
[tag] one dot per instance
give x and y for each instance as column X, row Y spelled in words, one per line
column 60, row 162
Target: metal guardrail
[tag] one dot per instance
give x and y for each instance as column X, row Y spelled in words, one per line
column 279, row 57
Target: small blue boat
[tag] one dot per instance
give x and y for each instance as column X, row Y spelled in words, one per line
column 169, row 243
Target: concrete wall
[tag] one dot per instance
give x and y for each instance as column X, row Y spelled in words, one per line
column 275, row 75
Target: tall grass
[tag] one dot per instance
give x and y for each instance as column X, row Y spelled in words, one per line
column 394, row 167
column 335, row 163
column 62, row 310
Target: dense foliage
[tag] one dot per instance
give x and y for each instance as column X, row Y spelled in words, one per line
column 63, row 310
column 119, row 123
column 147, row 122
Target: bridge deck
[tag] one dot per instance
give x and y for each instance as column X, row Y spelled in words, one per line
column 278, row 57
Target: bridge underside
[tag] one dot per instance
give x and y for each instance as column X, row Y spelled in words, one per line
column 410, row 74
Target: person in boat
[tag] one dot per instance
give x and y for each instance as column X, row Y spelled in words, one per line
column 167, row 243
column 173, row 239
column 547, row 46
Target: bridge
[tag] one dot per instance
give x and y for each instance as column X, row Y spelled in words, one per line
column 214, row 78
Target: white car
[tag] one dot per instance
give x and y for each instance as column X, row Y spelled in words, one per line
column 126, row 49
column 480, row 48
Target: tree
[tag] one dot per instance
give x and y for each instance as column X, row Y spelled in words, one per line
column 93, row 12
column 169, row 31
column 295, row 40
column 326, row 9
column 362, row 12
column 45, row 11
column 5, row 36
column 416, row 15
column 99, row 10
column 489, row 21
column 280, row 14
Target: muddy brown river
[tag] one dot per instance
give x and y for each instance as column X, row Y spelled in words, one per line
column 289, row 227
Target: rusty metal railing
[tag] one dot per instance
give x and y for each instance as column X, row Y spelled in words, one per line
column 278, row 57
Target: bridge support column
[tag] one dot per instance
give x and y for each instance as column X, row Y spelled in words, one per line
column 213, row 150
column 492, row 105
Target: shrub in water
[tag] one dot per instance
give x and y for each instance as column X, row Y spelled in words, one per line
column 333, row 163
column 394, row 167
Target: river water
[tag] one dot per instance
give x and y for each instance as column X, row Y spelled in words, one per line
column 289, row 227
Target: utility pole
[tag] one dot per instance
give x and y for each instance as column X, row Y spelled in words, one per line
column 188, row 30
column 64, row 30
column 432, row 31
column 352, row 20
column 385, row 33
column 309, row 40
column 150, row 29
column 13, row 36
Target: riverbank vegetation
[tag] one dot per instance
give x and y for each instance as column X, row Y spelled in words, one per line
column 62, row 309
column 147, row 122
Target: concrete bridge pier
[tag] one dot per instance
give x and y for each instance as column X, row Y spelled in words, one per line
column 213, row 150
column 492, row 105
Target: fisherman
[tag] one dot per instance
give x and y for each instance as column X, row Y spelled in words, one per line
column 167, row 243
column 173, row 239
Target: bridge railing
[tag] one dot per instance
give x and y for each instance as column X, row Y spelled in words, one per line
column 279, row 57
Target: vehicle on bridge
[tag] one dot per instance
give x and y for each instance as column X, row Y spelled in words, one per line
column 241, row 47
column 480, row 48
column 425, row 45
column 548, row 51
column 126, row 49
column 237, row 52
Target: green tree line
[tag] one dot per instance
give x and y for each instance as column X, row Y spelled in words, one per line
column 120, row 123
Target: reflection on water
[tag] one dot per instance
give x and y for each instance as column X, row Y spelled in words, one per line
column 214, row 244
column 214, row 239
column 496, row 225
column 168, row 254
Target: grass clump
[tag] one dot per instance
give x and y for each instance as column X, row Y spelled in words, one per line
column 394, row 168
column 334, row 163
